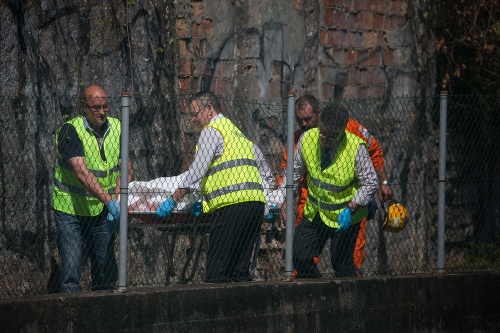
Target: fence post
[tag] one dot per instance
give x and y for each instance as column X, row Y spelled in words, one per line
column 122, row 268
column 289, row 185
column 442, row 180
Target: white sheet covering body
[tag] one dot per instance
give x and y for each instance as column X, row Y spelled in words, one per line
column 146, row 196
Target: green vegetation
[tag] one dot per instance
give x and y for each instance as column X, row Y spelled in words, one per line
column 483, row 255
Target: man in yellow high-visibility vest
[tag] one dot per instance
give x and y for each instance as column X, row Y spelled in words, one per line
column 228, row 165
column 307, row 110
column 341, row 182
column 86, row 183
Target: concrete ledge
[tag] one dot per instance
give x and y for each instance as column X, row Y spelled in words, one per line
column 418, row 303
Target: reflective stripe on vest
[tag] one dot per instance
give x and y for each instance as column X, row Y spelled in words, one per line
column 98, row 173
column 68, row 194
column 331, row 189
column 234, row 177
column 78, row 190
column 233, row 188
column 231, row 164
column 328, row 206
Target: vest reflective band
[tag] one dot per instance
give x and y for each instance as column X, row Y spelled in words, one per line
column 234, row 177
column 69, row 195
column 331, row 189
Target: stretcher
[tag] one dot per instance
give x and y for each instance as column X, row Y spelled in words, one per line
column 145, row 196
column 196, row 228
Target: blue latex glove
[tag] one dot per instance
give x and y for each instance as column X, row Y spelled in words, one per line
column 344, row 219
column 113, row 217
column 196, row 208
column 274, row 211
column 114, row 210
column 166, row 207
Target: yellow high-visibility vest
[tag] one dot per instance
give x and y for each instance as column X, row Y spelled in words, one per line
column 234, row 177
column 331, row 189
column 68, row 194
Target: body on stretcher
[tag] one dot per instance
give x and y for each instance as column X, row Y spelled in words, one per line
column 144, row 197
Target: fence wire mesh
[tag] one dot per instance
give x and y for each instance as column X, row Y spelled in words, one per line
column 162, row 144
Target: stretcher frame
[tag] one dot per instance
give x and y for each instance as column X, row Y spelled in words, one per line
column 178, row 223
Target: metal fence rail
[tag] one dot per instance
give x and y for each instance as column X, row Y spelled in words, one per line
column 161, row 142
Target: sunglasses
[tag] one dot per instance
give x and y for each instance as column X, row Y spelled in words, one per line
column 97, row 108
column 305, row 120
column 195, row 114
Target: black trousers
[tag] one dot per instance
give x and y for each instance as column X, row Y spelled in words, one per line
column 310, row 239
column 233, row 233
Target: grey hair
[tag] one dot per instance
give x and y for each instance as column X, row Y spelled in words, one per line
column 205, row 98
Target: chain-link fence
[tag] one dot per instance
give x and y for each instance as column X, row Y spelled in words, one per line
column 162, row 139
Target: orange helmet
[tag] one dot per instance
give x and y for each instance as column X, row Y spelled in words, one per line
column 396, row 216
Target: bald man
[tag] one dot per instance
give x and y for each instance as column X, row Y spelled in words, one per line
column 86, row 184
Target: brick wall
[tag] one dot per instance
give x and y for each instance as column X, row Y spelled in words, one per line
column 261, row 50
column 354, row 38
column 354, row 57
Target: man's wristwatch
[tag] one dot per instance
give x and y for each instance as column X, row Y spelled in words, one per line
column 351, row 210
column 385, row 182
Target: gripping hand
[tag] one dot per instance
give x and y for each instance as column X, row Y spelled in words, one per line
column 113, row 210
column 274, row 211
column 196, row 208
column 165, row 207
column 113, row 217
column 344, row 219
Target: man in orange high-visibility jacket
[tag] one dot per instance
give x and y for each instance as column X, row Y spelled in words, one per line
column 307, row 109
